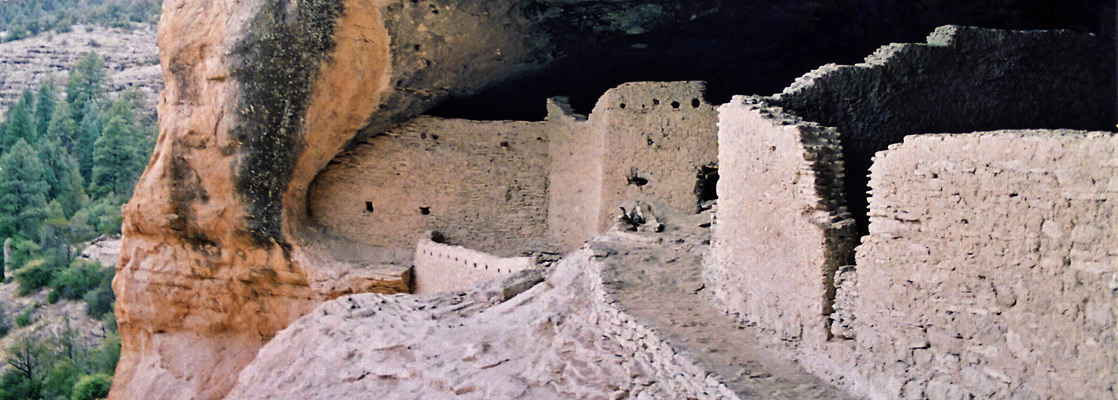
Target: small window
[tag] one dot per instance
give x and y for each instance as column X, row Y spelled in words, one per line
column 368, row 206
column 425, row 210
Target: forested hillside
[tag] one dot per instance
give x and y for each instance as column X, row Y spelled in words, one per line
column 23, row 18
column 69, row 157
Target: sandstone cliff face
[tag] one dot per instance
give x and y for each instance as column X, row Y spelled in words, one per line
column 218, row 254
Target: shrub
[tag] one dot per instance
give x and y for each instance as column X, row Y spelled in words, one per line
column 61, row 379
column 24, row 318
column 78, row 279
column 91, row 387
column 53, row 297
column 35, row 275
column 100, row 300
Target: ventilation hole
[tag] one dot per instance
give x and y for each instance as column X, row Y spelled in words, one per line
column 695, row 103
column 434, row 137
column 650, row 142
column 622, row 105
column 675, row 105
column 655, row 102
column 416, row 47
column 368, row 206
column 425, row 210
column 504, row 145
column 423, row 135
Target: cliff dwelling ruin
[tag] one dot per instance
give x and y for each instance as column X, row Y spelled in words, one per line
column 935, row 221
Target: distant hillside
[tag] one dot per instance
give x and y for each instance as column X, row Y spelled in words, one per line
column 130, row 54
column 24, row 18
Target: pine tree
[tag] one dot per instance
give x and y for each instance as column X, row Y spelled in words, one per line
column 21, row 121
column 45, row 102
column 22, row 191
column 86, row 84
column 116, row 163
column 71, row 192
column 89, row 131
column 63, row 127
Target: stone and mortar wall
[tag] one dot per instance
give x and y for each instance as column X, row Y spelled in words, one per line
column 781, row 230
column 991, row 268
column 509, row 186
column 655, row 137
column 481, row 184
column 965, row 79
column 574, row 182
column 441, row 268
column 1025, row 79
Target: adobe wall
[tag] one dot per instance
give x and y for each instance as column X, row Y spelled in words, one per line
column 781, row 230
column 965, row 79
column 655, row 137
column 991, row 268
column 441, row 268
column 481, row 184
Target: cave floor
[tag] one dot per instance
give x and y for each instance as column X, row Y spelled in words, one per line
column 657, row 277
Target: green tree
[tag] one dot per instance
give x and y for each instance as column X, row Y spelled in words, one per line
column 63, row 127
column 116, row 164
column 86, row 84
column 45, row 102
column 20, row 122
column 22, row 191
column 29, row 361
column 60, row 380
column 89, row 130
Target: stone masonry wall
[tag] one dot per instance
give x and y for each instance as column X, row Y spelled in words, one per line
column 574, row 182
column 441, row 268
column 655, row 138
column 781, row 230
column 991, row 268
column 481, row 184
column 965, row 79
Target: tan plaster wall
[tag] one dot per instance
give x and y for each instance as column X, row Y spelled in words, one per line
column 441, row 268
column 659, row 131
column 780, row 230
column 483, row 182
column 991, row 268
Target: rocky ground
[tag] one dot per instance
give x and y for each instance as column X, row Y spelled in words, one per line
column 50, row 320
column 623, row 317
column 130, row 55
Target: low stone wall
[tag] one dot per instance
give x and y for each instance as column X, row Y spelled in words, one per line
column 441, row 268
column 991, row 268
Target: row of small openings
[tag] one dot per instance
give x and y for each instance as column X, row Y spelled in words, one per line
column 695, row 103
column 422, row 210
column 463, row 261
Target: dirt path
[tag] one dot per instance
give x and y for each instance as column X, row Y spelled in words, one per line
column 658, row 278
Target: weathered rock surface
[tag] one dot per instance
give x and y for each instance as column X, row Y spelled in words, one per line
column 130, row 55
column 620, row 318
